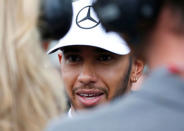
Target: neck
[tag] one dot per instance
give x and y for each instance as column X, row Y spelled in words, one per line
column 167, row 51
column 166, row 43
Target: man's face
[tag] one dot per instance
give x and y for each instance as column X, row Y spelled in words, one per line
column 91, row 75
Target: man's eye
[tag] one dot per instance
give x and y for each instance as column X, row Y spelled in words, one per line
column 73, row 58
column 104, row 58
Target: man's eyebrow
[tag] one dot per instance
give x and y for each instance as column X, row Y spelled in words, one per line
column 70, row 50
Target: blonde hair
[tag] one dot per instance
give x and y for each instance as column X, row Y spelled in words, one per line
column 30, row 90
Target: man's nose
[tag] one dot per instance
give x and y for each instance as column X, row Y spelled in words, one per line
column 87, row 75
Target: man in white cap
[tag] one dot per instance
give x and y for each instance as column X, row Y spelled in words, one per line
column 158, row 28
column 96, row 66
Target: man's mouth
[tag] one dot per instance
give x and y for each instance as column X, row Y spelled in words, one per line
column 90, row 97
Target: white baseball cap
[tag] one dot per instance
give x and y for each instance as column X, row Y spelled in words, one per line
column 86, row 30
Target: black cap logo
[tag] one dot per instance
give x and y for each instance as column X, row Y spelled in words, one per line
column 80, row 21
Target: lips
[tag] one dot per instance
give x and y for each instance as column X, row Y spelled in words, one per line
column 90, row 97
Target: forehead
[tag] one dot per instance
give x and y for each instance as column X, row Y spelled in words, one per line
column 80, row 49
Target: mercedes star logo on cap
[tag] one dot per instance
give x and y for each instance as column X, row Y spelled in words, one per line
column 84, row 19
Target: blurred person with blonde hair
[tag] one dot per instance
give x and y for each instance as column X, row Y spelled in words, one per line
column 29, row 96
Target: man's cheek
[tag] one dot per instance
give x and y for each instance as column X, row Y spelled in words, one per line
column 69, row 93
column 67, row 84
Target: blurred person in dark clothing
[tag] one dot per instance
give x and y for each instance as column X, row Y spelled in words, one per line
column 158, row 105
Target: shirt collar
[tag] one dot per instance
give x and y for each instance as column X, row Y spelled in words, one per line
column 70, row 113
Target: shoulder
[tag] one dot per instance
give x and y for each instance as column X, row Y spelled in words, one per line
column 108, row 118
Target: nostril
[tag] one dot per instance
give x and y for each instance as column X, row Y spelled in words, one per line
column 87, row 77
column 87, row 74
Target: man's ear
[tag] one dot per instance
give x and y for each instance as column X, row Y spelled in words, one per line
column 137, row 70
column 60, row 57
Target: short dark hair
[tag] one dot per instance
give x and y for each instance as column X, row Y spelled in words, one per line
column 177, row 6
